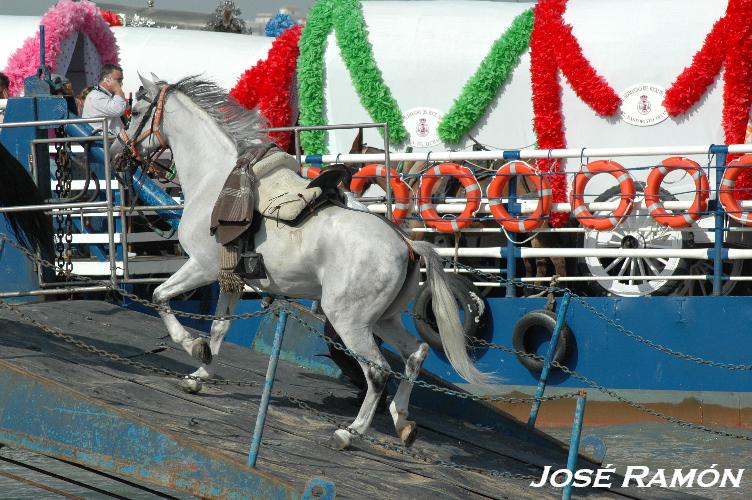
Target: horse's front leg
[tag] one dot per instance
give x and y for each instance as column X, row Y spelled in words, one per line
column 189, row 277
column 219, row 328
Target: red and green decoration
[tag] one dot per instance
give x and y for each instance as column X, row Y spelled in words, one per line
column 269, row 85
column 554, row 48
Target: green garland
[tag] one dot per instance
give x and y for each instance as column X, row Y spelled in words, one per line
column 482, row 88
column 345, row 17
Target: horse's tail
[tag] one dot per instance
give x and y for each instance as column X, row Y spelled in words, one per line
column 33, row 230
column 448, row 318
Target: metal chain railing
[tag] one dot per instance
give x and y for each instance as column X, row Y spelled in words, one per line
column 422, row 383
column 64, row 223
column 612, row 322
column 125, row 293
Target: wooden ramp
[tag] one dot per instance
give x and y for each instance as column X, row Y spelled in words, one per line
column 62, row 401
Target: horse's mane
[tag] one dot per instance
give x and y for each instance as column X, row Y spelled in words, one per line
column 240, row 124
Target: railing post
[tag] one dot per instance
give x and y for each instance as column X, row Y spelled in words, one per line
column 561, row 314
column 513, row 208
column 574, row 442
column 271, row 370
column 721, row 153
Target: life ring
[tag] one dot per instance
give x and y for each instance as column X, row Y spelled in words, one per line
column 472, row 194
column 727, row 194
column 626, row 186
column 653, row 188
column 525, row 329
column 501, row 215
column 400, row 190
column 310, row 172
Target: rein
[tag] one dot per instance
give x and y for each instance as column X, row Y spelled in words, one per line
column 156, row 107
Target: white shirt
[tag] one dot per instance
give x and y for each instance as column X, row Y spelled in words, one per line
column 101, row 103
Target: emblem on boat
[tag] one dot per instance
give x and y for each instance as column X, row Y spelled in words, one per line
column 642, row 105
column 423, row 124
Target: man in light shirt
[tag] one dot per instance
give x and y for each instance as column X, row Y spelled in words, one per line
column 107, row 99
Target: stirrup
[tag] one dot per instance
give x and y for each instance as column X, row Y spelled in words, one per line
column 251, row 266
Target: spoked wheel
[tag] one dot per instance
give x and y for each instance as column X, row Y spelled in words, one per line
column 637, row 231
column 705, row 287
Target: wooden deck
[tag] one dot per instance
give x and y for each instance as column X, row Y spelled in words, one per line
column 218, row 422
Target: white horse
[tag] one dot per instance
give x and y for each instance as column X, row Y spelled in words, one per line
column 353, row 262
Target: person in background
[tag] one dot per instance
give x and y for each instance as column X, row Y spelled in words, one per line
column 4, row 93
column 81, row 98
column 4, row 84
column 107, row 99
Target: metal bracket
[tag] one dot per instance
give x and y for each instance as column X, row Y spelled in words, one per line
column 599, row 447
column 321, row 489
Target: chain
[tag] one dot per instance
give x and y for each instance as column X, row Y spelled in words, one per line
column 382, row 443
column 13, row 308
column 419, row 382
column 612, row 322
column 135, row 298
column 64, row 226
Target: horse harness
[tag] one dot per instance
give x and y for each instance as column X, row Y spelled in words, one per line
column 157, row 108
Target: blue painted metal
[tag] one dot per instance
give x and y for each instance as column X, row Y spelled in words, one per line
column 561, row 314
column 319, row 489
column 48, row 418
column 148, row 191
column 686, row 324
column 599, row 447
column 299, row 346
column 574, row 442
column 514, row 208
column 16, row 271
column 721, row 153
column 271, row 371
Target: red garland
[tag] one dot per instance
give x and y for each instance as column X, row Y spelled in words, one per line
column 268, row 85
column 110, row 17
column 553, row 47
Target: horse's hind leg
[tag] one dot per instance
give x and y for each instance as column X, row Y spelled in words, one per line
column 225, row 306
column 413, row 352
column 189, row 277
column 361, row 342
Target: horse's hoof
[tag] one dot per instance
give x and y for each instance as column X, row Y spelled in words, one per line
column 341, row 439
column 200, row 351
column 408, row 433
column 190, row 385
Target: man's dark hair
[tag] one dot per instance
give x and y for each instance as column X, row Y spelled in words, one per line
column 107, row 70
column 4, row 80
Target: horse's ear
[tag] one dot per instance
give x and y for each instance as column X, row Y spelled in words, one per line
column 150, row 87
column 155, row 78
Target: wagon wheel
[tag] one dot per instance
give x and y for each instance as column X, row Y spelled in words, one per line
column 705, row 287
column 639, row 230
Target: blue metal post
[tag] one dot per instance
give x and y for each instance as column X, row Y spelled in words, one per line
column 561, row 313
column 574, row 442
column 720, row 152
column 271, row 370
column 42, row 63
column 513, row 208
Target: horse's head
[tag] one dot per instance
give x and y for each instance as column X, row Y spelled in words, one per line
column 143, row 139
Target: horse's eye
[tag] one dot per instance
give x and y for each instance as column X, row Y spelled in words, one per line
column 135, row 113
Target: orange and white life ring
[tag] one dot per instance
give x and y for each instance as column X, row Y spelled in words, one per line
column 626, row 186
column 653, row 188
column 727, row 193
column 472, row 194
column 496, row 190
column 400, row 190
column 310, row 172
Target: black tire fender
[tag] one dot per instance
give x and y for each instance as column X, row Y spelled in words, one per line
column 467, row 296
column 523, row 330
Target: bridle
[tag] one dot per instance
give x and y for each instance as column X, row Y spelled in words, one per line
column 157, row 108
